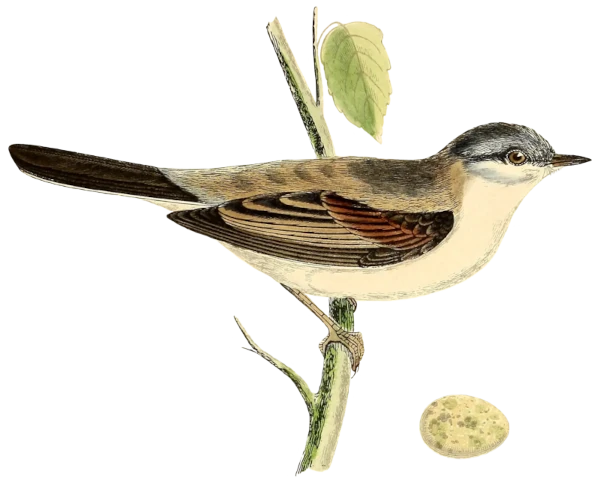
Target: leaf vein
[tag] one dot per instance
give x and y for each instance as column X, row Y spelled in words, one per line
column 365, row 38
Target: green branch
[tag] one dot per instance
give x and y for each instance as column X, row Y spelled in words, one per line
column 300, row 383
column 310, row 112
column 329, row 405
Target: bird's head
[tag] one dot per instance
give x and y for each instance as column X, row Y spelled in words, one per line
column 508, row 154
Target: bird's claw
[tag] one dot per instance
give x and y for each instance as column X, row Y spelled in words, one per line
column 353, row 341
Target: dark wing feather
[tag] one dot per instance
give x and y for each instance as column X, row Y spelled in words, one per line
column 321, row 228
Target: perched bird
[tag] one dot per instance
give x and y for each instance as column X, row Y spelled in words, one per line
column 372, row 229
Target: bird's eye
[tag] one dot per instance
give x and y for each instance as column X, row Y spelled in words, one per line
column 516, row 157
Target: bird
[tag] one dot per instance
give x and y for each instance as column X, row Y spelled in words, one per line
column 360, row 227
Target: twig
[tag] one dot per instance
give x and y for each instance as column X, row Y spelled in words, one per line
column 300, row 383
column 317, row 65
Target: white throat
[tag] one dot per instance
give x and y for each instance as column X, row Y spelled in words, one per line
column 487, row 209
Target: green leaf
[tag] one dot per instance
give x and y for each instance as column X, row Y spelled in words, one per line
column 356, row 67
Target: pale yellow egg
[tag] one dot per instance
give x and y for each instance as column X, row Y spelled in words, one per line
column 463, row 426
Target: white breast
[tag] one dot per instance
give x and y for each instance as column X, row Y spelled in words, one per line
column 478, row 229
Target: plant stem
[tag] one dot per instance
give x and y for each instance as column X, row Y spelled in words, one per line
column 329, row 406
column 330, row 402
column 311, row 114
column 317, row 67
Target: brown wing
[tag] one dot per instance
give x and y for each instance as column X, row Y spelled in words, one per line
column 320, row 227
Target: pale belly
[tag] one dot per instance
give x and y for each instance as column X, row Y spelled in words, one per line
column 464, row 252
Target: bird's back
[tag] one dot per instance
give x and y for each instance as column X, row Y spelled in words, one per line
column 430, row 184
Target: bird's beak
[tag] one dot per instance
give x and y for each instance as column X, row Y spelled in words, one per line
column 560, row 160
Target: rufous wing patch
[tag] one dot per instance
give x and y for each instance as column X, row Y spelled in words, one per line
column 392, row 229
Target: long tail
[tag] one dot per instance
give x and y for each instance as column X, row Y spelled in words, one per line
column 97, row 174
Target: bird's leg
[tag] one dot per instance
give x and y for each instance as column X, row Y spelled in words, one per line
column 351, row 340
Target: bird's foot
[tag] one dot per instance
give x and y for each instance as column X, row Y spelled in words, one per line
column 353, row 341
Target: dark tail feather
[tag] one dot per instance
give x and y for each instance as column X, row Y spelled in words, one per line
column 95, row 173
